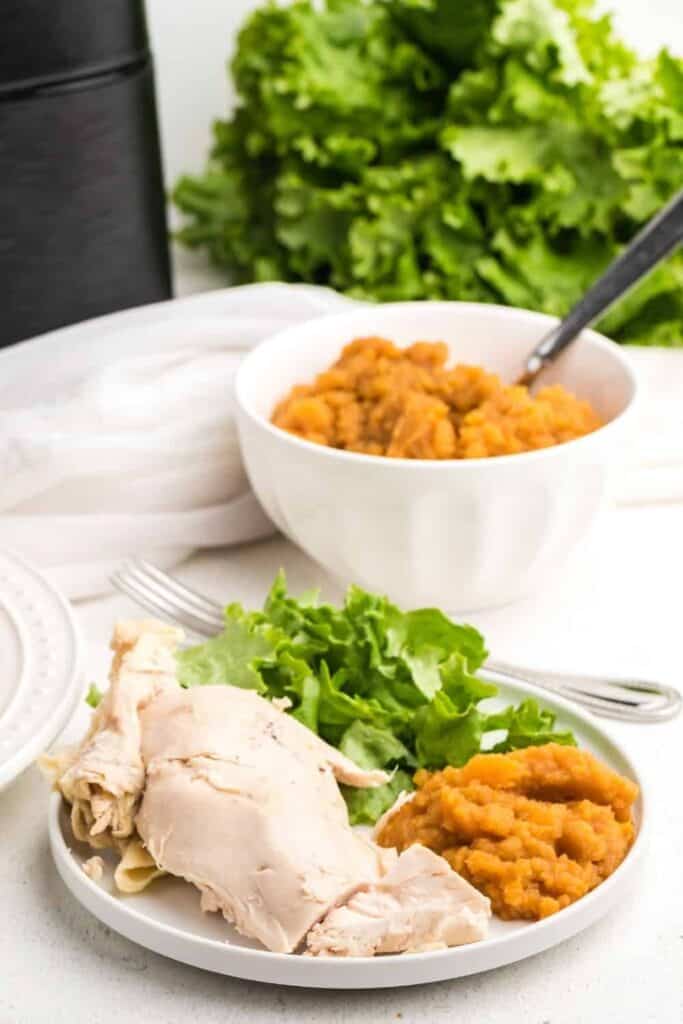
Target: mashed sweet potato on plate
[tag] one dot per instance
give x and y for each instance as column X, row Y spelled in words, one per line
column 379, row 399
column 534, row 830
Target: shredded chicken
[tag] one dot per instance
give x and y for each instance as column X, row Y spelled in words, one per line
column 93, row 867
column 104, row 778
column 220, row 787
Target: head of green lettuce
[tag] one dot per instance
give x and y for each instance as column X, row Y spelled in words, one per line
column 487, row 150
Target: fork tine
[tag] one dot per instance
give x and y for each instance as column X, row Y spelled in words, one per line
column 175, row 598
column 175, row 604
column 203, row 604
column 160, row 603
column 141, row 598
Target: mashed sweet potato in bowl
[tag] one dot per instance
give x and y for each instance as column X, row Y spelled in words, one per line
column 436, row 522
column 379, row 398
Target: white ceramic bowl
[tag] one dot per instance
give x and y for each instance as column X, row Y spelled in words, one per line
column 461, row 534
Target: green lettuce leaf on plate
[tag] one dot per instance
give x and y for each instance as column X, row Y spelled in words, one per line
column 391, row 689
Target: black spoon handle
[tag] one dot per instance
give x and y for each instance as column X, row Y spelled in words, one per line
column 653, row 243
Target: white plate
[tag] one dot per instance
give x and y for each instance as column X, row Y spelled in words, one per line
column 40, row 681
column 166, row 917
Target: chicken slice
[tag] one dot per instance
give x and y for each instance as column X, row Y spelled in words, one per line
column 421, row 903
column 242, row 801
column 104, row 777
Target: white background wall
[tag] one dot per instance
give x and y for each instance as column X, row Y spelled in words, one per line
column 192, row 43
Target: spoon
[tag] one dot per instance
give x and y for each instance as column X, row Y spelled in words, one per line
column 652, row 244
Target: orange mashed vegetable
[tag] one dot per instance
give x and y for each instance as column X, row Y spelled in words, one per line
column 534, row 830
column 379, row 399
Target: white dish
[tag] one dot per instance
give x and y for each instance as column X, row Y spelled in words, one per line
column 462, row 534
column 40, row 680
column 166, row 917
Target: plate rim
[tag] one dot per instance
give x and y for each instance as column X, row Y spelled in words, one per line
column 74, row 687
column 361, row 972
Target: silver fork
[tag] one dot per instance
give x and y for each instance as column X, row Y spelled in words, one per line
column 630, row 700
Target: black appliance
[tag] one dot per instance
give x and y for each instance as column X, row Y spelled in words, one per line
column 82, row 206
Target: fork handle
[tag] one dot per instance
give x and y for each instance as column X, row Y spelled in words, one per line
column 629, row 700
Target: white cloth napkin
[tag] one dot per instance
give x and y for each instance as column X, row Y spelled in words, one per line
column 117, row 437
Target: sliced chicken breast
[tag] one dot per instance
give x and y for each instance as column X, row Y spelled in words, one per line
column 242, row 801
column 227, row 791
column 421, row 903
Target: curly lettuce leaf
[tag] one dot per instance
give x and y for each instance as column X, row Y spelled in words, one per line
column 366, row 806
column 527, row 725
column 541, row 32
column 453, row 31
column 373, row 747
column 393, row 690
column 407, row 149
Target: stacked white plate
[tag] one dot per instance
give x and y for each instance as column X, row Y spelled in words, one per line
column 40, row 678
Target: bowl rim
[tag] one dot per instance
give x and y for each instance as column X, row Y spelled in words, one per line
column 596, row 339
